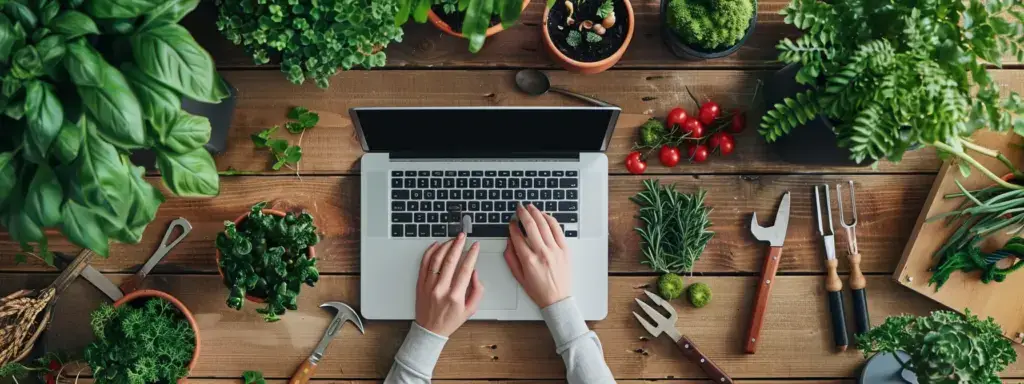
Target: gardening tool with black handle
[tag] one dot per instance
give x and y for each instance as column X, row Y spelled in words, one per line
column 858, row 283
column 342, row 314
column 833, row 284
column 775, row 236
column 667, row 325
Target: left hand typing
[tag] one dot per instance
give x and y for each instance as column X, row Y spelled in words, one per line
column 447, row 292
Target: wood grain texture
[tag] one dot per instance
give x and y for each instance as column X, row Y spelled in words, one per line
column 888, row 206
column 424, row 46
column 333, row 147
column 796, row 339
column 194, row 380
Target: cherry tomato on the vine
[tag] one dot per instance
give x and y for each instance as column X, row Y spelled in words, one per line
column 715, row 140
column 709, row 111
column 739, row 121
column 692, row 128
column 635, row 163
column 675, row 118
column 698, row 153
column 726, row 147
column 669, row 155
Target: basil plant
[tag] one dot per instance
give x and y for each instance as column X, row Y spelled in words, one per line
column 84, row 83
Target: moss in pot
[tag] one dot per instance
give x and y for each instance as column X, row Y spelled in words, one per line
column 707, row 29
column 266, row 256
column 588, row 36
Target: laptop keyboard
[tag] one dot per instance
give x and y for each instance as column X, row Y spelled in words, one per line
column 435, row 203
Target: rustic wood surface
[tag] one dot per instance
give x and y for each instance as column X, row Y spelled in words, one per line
column 431, row 69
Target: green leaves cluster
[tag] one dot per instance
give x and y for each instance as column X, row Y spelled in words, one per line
column 675, row 227
column 151, row 343
column 83, row 83
column 267, row 256
column 253, row 377
column 893, row 75
column 312, row 38
column 477, row 15
column 710, row 24
column 286, row 155
column 945, row 347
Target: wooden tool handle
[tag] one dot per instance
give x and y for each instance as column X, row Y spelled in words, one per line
column 834, row 286
column 695, row 355
column 764, row 290
column 72, row 271
column 860, row 296
column 132, row 283
column 304, row 373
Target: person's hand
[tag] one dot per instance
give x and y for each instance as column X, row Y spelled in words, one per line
column 539, row 259
column 447, row 292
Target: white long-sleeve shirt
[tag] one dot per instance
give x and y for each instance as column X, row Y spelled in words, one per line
column 578, row 345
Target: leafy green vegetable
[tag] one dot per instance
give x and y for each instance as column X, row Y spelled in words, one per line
column 82, row 85
column 477, row 15
column 675, row 227
column 710, row 24
column 313, row 37
column 944, row 348
column 253, row 377
column 896, row 76
column 143, row 344
column 268, row 256
column 286, row 155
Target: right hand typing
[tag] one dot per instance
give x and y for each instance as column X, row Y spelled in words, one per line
column 539, row 259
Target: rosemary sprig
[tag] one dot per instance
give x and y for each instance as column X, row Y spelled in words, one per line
column 675, row 227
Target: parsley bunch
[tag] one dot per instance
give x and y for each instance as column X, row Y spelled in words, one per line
column 267, row 256
column 140, row 344
column 286, row 155
column 675, row 230
column 710, row 24
column 894, row 75
column 312, row 38
column 944, row 348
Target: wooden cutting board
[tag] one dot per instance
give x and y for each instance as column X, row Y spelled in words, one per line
column 1002, row 301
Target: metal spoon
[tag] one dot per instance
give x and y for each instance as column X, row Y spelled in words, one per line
column 536, row 83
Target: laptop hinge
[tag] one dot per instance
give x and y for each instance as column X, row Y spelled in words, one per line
column 482, row 155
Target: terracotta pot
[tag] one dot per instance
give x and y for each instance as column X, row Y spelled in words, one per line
column 444, row 27
column 151, row 294
column 238, row 222
column 588, row 68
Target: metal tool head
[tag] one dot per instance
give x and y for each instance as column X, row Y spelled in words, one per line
column 822, row 230
column 776, row 234
column 664, row 324
column 343, row 313
column 851, row 227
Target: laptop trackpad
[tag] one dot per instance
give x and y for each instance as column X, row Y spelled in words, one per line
column 500, row 289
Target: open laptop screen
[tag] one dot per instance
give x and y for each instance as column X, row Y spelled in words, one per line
column 495, row 130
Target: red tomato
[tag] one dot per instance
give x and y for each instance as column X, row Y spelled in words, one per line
column 709, row 111
column 53, row 366
column 698, row 153
column 693, row 129
column 715, row 140
column 739, row 121
column 726, row 147
column 635, row 164
column 675, row 118
column 669, row 156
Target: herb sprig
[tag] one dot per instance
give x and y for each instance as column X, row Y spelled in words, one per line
column 148, row 344
column 286, row 155
column 675, row 227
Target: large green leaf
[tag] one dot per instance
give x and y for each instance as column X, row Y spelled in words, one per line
column 8, row 38
column 106, row 96
column 69, row 141
column 118, row 9
column 101, row 178
column 509, row 10
column 169, row 12
column 47, row 10
column 51, row 51
column 44, row 197
column 169, row 54
column 83, row 228
column 72, row 24
column 158, row 102
column 23, row 229
column 185, row 132
column 8, row 176
column 44, row 114
column 145, row 201
column 26, row 63
column 189, row 174
column 21, row 13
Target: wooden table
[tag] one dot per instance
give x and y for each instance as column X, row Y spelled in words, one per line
column 431, row 69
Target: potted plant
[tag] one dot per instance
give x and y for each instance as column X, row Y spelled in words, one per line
column 587, row 36
column 312, row 39
column 83, row 83
column 893, row 78
column 706, row 29
column 266, row 256
column 455, row 18
column 943, row 348
column 145, row 337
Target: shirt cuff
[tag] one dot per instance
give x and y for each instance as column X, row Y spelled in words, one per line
column 564, row 321
column 421, row 350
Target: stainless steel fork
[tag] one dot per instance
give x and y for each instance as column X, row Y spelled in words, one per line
column 858, row 284
column 833, row 284
column 667, row 326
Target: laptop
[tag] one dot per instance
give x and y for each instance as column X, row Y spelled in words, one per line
column 429, row 173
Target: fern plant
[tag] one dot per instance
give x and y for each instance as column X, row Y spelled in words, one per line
column 893, row 75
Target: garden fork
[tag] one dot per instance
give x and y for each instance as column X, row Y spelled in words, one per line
column 667, row 325
column 857, row 280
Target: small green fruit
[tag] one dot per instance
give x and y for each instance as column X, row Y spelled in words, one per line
column 700, row 294
column 670, row 286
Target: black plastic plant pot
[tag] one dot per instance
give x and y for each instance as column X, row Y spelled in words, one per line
column 814, row 143
column 688, row 52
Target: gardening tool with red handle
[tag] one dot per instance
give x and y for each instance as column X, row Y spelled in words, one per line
column 667, row 326
column 775, row 236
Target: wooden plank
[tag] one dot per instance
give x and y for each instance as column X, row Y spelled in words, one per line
column 424, row 46
column 333, row 148
column 330, row 381
column 796, row 342
column 888, row 205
